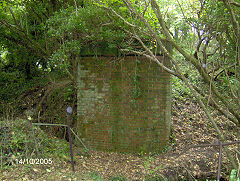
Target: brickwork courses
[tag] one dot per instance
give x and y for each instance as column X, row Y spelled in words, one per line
column 124, row 104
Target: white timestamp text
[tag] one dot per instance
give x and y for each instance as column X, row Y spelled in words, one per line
column 34, row 161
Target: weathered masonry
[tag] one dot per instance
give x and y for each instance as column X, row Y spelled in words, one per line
column 124, row 103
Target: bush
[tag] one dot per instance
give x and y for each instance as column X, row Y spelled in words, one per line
column 117, row 178
column 17, row 142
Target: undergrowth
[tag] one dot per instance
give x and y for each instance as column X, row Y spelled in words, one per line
column 19, row 140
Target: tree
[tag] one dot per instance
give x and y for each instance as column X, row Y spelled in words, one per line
column 24, row 33
column 204, row 35
column 215, row 38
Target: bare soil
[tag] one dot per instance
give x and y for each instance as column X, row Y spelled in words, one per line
column 189, row 127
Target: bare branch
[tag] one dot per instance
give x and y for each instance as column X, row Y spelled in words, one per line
column 146, row 8
column 178, row 70
column 192, row 60
column 151, row 58
column 188, row 57
column 118, row 15
column 154, row 34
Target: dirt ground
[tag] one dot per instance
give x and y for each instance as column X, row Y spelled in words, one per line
column 190, row 127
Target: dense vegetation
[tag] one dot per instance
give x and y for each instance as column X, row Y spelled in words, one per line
column 40, row 42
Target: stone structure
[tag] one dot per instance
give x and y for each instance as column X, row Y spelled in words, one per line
column 124, row 103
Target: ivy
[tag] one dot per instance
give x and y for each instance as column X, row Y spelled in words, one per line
column 136, row 92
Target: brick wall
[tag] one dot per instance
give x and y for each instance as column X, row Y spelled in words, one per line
column 124, row 104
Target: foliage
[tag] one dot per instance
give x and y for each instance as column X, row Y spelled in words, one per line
column 38, row 37
column 43, row 35
column 20, row 39
column 234, row 175
column 179, row 91
column 13, row 84
column 196, row 31
column 18, row 142
column 117, row 178
column 155, row 178
column 95, row 176
column 205, row 39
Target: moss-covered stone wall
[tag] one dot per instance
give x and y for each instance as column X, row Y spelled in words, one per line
column 124, row 104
